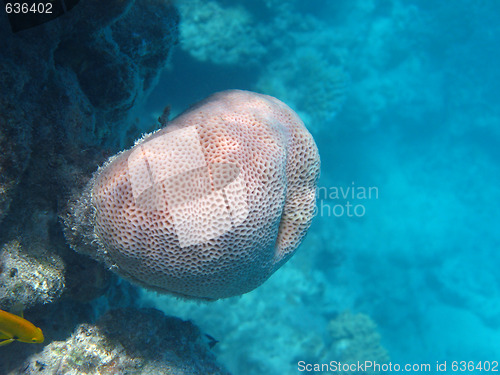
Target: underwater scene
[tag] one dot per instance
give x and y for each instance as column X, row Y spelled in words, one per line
column 249, row 187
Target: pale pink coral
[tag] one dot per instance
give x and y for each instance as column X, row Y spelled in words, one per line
column 211, row 205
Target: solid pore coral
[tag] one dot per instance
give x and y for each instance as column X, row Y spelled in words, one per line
column 208, row 207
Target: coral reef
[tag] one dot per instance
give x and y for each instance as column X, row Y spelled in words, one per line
column 67, row 88
column 126, row 63
column 67, row 85
column 423, row 84
column 221, row 35
column 128, row 341
column 84, row 73
column 15, row 136
column 355, row 338
column 193, row 209
column 29, row 279
column 323, row 85
column 290, row 319
column 289, row 53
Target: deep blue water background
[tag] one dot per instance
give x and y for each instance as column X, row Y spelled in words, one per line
column 401, row 96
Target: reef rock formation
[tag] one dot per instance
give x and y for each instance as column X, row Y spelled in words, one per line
column 66, row 86
column 29, row 279
column 128, row 341
column 356, row 338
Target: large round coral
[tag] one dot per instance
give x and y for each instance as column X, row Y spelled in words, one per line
column 208, row 207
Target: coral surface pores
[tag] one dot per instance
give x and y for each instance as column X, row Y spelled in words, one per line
column 208, row 207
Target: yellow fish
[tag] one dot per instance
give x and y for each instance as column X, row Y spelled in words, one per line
column 13, row 327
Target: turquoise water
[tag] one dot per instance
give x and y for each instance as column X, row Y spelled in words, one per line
column 401, row 97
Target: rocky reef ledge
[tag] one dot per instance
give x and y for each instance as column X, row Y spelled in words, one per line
column 128, row 341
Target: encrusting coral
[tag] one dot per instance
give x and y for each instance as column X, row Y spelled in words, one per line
column 356, row 338
column 128, row 341
column 222, row 35
column 208, row 207
column 26, row 279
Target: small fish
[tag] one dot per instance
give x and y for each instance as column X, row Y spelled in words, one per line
column 211, row 341
column 14, row 327
column 163, row 119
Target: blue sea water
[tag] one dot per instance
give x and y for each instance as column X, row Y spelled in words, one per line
column 402, row 98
